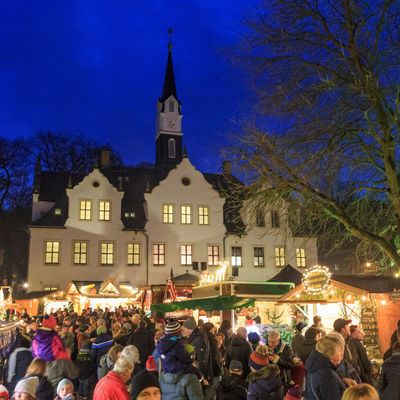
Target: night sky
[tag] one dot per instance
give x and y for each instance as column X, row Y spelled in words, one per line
column 97, row 67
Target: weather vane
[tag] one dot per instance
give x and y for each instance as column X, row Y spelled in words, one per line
column 170, row 38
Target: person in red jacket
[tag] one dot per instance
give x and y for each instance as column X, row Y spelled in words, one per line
column 112, row 386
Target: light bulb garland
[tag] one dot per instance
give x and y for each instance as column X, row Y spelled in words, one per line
column 316, row 279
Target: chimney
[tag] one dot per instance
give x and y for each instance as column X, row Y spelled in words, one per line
column 227, row 168
column 105, row 159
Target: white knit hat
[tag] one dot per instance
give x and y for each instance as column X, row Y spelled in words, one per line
column 27, row 385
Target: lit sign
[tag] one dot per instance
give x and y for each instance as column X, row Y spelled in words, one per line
column 316, row 279
column 217, row 276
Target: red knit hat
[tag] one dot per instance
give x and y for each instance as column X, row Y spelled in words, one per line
column 294, row 393
column 151, row 364
column 4, row 392
column 257, row 360
column 49, row 322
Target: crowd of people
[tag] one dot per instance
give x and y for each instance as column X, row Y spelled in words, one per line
column 122, row 354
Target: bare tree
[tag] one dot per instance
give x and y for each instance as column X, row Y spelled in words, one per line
column 326, row 73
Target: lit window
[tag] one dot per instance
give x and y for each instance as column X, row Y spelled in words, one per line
column 159, row 254
column 279, row 256
column 171, row 148
column 186, row 254
column 260, row 221
column 236, row 256
column 186, row 214
column 133, row 253
column 168, row 213
column 301, row 257
column 171, row 106
column 85, row 210
column 80, row 252
column 104, row 210
column 57, row 211
column 52, row 252
column 203, row 215
column 258, row 256
column 129, row 214
column 107, row 253
column 275, row 219
column 213, row 255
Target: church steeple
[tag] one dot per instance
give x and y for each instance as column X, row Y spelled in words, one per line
column 169, row 122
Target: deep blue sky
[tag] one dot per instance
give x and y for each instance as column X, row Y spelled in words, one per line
column 98, row 67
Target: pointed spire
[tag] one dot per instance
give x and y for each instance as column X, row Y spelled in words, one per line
column 69, row 185
column 169, row 81
column 185, row 155
column 37, row 175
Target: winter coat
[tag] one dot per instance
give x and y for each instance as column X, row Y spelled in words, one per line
column 45, row 390
column 390, row 376
column 47, row 345
column 306, row 348
column 322, row 379
column 239, row 349
column 180, row 387
column 122, row 339
column 100, row 347
column 232, row 387
column 17, row 364
column 265, row 383
column 215, row 354
column 284, row 360
column 297, row 341
column 60, row 369
column 199, row 340
column 143, row 339
column 111, row 387
column 85, row 364
column 365, row 364
column 69, row 341
column 174, row 357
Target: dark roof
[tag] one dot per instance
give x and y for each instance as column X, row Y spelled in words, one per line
column 36, row 295
column 186, row 279
column 288, row 274
column 371, row 283
column 169, row 81
column 134, row 182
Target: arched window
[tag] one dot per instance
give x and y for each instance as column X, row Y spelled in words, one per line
column 171, row 148
column 171, row 106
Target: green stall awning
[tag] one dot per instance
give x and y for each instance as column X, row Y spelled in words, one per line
column 208, row 304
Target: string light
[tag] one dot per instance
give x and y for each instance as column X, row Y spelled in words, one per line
column 364, row 298
column 316, row 279
column 396, row 275
column 383, row 302
column 348, row 297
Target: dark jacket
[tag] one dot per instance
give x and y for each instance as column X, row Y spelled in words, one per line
column 45, row 390
column 306, row 348
column 265, row 383
column 365, row 364
column 180, row 387
column 232, row 387
column 322, row 379
column 297, row 341
column 239, row 349
column 60, row 369
column 122, row 339
column 100, row 347
column 21, row 357
column 393, row 338
column 143, row 339
column 216, row 356
column 174, row 357
column 199, row 340
column 284, row 361
column 390, row 377
column 86, row 365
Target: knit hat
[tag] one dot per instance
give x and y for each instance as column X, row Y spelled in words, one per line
column 4, row 392
column 83, row 328
column 257, row 360
column 173, row 328
column 151, row 364
column 141, row 381
column 294, row 393
column 235, row 366
column 49, row 322
column 190, row 323
column 101, row 329
column 27, row 385
column 253, row 337
column 64, row 382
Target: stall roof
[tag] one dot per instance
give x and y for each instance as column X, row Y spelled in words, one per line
column 186, row 279
column 107, row 288
column 37, row 295
column 208, row 304
column 288, row 274
column 371, row 283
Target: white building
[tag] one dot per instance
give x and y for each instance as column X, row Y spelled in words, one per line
column 135, row 224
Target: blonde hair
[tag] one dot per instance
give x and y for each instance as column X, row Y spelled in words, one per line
column 337, row 337
column 361, row 391
column 113, row 352
column 261, row 349
column 328, row 346
column 36, row 367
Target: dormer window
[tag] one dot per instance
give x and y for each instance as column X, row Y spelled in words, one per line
column 57, row 211
column 171, row 106
column 171, row 148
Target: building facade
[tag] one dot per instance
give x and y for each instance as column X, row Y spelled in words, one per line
column 135, row 224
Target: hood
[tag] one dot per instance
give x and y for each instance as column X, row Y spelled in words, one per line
column 230, row 382
column 165, row 345
column 43, row 335
column 317, row 361
column 269, row 371
column 238, row 340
